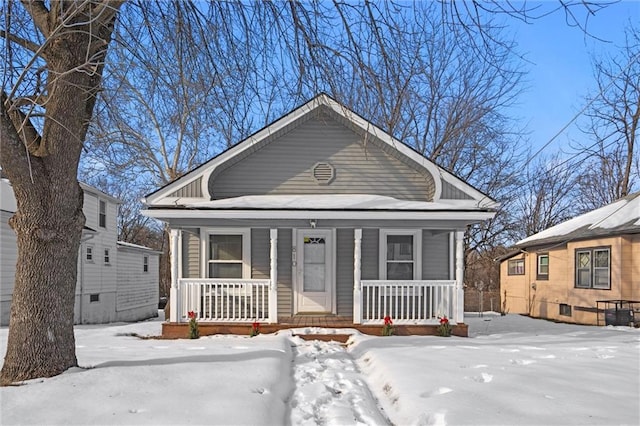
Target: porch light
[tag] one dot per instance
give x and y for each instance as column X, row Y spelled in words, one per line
column 313, row 222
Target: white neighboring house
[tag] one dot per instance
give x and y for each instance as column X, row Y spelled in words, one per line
column 117, row 281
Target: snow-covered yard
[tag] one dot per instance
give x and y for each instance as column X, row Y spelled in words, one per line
column 512, row 370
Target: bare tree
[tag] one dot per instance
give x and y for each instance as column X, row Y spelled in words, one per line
column 56, row 56
column 547, row 196
column 612, row 169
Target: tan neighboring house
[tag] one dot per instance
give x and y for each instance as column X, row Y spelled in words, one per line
column 585, row 270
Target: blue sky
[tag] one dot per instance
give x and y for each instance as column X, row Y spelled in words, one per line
column 560, row 72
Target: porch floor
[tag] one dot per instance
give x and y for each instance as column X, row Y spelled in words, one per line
column 322, row 321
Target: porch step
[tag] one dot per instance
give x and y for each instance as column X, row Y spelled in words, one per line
column 341, row 338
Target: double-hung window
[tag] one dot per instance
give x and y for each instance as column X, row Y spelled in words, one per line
column 102, row 214
column 516, row 267
column 400, row 254
column 543, row 266
column 593, row 268
column 228, row 254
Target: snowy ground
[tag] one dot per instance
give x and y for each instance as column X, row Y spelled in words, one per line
column 512, row 370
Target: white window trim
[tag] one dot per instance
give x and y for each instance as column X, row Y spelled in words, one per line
column 539, row 257
column 205, row 234
column 93, row 253
column 417, row 250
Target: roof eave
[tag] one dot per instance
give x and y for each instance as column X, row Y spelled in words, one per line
column 471, row 216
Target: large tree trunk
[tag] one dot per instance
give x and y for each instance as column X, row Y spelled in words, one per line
column 43, row 172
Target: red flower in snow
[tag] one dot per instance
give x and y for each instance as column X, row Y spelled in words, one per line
column 191, row 315
column 387, row 320
column 444, row 320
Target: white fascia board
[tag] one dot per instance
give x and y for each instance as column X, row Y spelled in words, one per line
column 101, row 194
column 318, row 214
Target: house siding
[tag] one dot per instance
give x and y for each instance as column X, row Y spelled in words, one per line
column 190, row 190
column 191, row 247
column 138, row 292
column 344, row 271
column 285, row 286
column 8, row 258
column 435, row 256
column 285, row 167
column 369, row 254
column 450, row 192
column 260, row 254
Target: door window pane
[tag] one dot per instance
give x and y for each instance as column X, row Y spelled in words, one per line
column 314, row 264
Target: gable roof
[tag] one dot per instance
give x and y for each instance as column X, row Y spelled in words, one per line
column 619, row 217
column 199, row 177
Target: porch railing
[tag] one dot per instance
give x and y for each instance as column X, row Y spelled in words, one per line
column 228, row 300
column 408, row 302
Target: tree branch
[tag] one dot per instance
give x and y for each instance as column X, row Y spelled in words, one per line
column 27, row 44
column 39, row 13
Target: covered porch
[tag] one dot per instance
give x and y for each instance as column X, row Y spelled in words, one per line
column 233, row 305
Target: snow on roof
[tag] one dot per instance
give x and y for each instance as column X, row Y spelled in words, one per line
column 331, row 202
column 622, row 215
column 134, row 246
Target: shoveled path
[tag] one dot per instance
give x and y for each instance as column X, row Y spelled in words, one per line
column 329, row 388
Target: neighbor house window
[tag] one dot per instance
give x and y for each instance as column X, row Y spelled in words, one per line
column 516, row 267
column 543, row 266
column 400, row 254
column 145, row 264
column 593, row 268
column 107, row 259
column 89, row 254
column 228, row 254
column 102, row 215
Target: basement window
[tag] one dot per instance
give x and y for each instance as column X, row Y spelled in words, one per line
column 565, row 310
column 94, row 298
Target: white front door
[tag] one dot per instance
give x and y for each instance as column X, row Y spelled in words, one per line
column 314, row 271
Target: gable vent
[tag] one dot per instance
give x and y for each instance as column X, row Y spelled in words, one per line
column 323, row 173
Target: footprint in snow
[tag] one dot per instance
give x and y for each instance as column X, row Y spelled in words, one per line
column 483, row 378
column 439, row 391
column 550, row 356
column 521, row 361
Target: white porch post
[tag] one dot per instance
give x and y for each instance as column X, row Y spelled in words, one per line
column 273, row 286
column 175, row 245
column 357, row 272
column 459, row 307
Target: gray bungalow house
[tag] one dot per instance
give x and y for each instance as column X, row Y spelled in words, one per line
column 319, row 213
